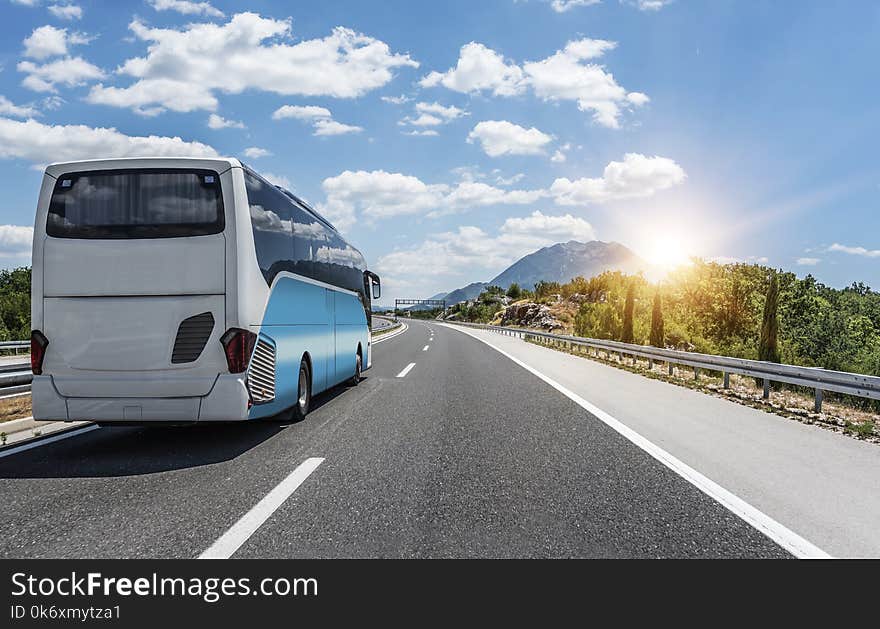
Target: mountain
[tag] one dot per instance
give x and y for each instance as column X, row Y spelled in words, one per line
column 564, row 261
column 558, row 263
column 471, row 291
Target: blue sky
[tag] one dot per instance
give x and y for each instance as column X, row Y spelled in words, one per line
column 448, row 139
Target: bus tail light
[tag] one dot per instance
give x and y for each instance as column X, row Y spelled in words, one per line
column 39, row 342
column 238, row 345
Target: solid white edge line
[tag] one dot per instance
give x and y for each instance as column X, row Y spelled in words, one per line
column 47, row 440
column 779, row 533
column 248, row 524
column 404, row 327
column 5, row 397
column 406, row 370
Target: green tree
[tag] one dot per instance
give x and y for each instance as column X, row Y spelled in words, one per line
column 768, row 348
column 629, row 305
column 514, row 291
column 657, row 333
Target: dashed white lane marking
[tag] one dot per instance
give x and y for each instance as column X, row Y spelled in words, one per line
column 48, row 440
column 406, row 370
column 241, row 531
column 779, row 533
column 425, row 348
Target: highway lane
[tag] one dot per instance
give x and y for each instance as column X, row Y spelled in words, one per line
column 823, row 485
column 464, row 455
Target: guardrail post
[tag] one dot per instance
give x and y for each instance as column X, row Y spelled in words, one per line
column 650, row 364
column 620, row 357
column 671, row 369
column 726, row 380
column 819, row 396
column 696, row 373
column 766, row 388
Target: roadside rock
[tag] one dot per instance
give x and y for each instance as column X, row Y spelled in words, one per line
column 530, row 315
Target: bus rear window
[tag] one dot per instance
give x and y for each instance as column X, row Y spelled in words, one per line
column 168, row 203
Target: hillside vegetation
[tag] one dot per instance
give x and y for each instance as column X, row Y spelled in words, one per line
column 705, row 307
column 15, row 304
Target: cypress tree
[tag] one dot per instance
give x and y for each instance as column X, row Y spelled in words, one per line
column 627, row 335
column 768, row 348
column 657, row 333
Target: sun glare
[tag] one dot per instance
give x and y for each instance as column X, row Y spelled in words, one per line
column 669, row 251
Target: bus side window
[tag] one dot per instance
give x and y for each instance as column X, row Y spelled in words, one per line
column 308, row 234
column 271, row 218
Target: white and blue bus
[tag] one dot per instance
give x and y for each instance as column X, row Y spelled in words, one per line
column 189, row 289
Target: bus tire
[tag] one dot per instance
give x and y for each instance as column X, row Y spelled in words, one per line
column 303, row 392
column 358, row 369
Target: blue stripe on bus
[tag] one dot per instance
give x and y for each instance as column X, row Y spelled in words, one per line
column 302, row 318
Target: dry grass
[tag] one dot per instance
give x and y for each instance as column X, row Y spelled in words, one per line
column 15, row 408
column 836, row 414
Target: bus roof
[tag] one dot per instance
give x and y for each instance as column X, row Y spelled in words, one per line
column 220, row 164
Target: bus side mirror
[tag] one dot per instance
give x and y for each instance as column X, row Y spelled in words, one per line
column 374, row 284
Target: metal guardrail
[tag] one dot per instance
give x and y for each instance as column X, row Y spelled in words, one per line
column 821, row 380
column 15, row 345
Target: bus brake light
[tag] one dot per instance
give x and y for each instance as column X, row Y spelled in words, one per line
column 39, row 342
column 238, row 345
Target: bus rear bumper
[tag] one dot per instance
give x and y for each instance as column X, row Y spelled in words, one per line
column 227, row 401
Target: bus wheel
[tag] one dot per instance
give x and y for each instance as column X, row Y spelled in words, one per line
column 358, row 368
column 303, row 393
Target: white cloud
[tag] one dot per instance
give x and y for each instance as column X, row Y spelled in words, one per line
column 396, row 100
column 300, row 112
column 561, row 6
column 479, row 69
column 186, row 7
column 51, row 103
column 636, row 176
column 808, row 261
column 49, row 41
column 255, row 152
column 638, row 99
column 423, row 133
column 433, row 115
column 436, row 109
column 500, row 137
column 568, row 74
column 277, row 180
column 647, row 5
column 855, row 251
column 509, row 181
column 66, row 11
column 68, row 71
column 8, row 108
column 376, row 195
column 219, row 122
column 554, row 228
column 183, row 69
column 41, row 143
column 332, row 127
column 561, row 154
column 26, row 3
column 16, row 241
column 469, row 250
column 379, row 194
column 320, row 118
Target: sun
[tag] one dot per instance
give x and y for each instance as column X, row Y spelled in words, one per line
column 669, row 251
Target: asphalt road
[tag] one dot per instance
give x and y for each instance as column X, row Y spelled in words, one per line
column 446, row 449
